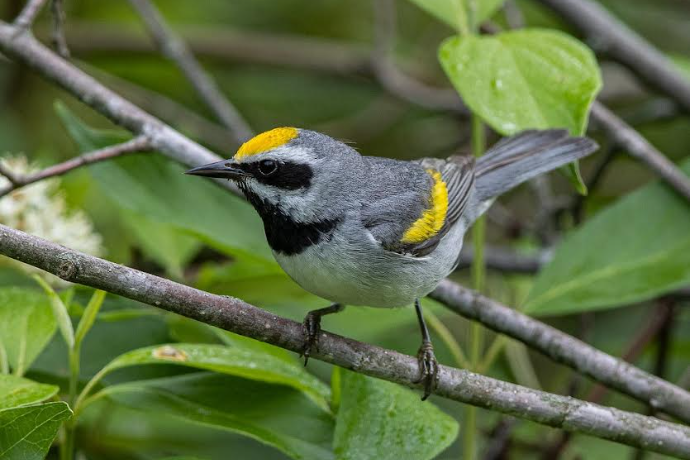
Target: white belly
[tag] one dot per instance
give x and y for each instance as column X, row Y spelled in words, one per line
column 353, row 270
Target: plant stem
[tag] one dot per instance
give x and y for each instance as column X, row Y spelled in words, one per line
column 478, row 276
column 67, row 447
column 447, row 338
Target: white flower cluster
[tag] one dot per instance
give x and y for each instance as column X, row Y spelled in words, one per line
column 40, row 209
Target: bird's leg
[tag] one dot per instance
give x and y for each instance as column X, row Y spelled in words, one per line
column 428, row 366
column 312, row 328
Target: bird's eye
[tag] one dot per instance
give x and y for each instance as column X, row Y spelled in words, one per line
column 267, row 167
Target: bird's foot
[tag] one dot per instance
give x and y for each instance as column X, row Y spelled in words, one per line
column 428, row 368
column 311, row 328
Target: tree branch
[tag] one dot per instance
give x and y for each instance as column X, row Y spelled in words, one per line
column 175, row 49
column 25, row 49
column 561, row 347
column 505, row 259
column 29, row 13
column 637, row 146
column 396, row 82
column 610, row 36
column 138, row 144
column 237, row 316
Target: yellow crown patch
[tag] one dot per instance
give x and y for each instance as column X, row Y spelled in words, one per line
column 433, row 218
column 266, row 141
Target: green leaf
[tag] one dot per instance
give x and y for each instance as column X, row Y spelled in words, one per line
column 156, row 188
column 275, row 415
column 572, row 172
column 634, row 250
column 26, row 433
column 60, row 311
column 26, row 325
column 17, row 391
column 455, row 12
column 381, row 420
column 241, row 362
column 171, row 247
column 530, row 78
column 89, row 316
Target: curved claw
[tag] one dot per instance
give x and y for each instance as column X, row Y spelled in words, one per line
column 428, row 368
column 311, row 328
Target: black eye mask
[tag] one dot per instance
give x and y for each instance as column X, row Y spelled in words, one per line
column 281, row 174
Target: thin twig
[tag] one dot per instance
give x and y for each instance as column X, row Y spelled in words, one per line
column 28, row 15
column 566, row 349
column 58, row 38
column 505, row 259
column 609, row 35
column 175, row 49
column 242, row 318
column 637, row 146
column 138, row 144
column 25, row 49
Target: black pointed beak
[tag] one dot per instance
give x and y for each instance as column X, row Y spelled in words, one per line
column 225, row 169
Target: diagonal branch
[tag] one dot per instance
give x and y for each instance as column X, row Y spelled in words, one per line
column 610, row 36
column 237, row 316
column 561, row 347
column 25, row 49
column 29, row 13
column 175, row 49
column 138, row 144
column 639, row 147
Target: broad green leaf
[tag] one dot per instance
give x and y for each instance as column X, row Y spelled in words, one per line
column 26, row 325
column 530, row 78
column 17, row 391
column 156, row 188
column 455, row 13
column 89, row 315
column 240, row 362
column 60, row 311
column 275, row 415
column 634, row 250
column 26, row 433
column 381, row 420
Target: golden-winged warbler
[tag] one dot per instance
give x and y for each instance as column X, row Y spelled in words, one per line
column 360, row 230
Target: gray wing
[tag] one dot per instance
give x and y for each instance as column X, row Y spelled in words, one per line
column 389, row 217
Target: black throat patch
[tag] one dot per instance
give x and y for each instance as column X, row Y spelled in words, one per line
column 285, row 235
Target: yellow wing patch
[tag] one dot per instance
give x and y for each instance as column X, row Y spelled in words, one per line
column 433, row 218
column 266, row 141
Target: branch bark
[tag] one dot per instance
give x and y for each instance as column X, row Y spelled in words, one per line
column 561, row 347
column 237, row 316
column 24, row 48
column 175, row 49
column 138, row 144
column 638, row 147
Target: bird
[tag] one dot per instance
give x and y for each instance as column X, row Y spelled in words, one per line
column 362, row 230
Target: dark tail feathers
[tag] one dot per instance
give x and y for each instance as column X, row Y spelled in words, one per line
column 519, row 158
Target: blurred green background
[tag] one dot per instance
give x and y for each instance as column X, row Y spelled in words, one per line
column 305, row 64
